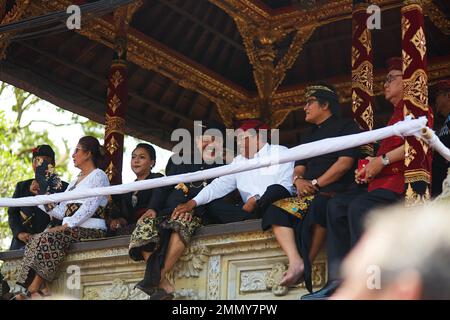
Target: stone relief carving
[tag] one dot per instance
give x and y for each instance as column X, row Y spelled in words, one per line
column 191, row 262
column 273, row 278
column 213, row 278
column 253, row 281
column 118, row 290
column 186, row 294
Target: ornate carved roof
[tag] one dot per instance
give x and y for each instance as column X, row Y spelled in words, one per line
column 209, row 59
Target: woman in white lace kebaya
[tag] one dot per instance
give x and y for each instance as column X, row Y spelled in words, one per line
column 81, row 219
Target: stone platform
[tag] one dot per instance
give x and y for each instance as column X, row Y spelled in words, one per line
column 232, row 261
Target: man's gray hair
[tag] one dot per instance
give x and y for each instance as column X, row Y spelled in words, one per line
column 414, row 239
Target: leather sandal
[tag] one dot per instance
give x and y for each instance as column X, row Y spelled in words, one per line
column 161, row 294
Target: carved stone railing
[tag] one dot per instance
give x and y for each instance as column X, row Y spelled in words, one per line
column 232, row 261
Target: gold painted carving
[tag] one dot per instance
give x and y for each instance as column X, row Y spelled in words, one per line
column 410, row 153
column 116, row 79
column 415, row 89
column 110, row 171
column 355, row 55
column 112, row 145
column 19, row 10
column 362, row 77
column 366, row 40
column 406, row 60
column 405, row 25
column 114, row 103
column 417, row 175
column 367, row 116
column 414, row 199
column 114, row 124
column 419, row 42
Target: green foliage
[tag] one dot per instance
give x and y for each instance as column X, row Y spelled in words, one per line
column 12, row 169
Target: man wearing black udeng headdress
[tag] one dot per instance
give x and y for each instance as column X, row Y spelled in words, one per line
column 317, row 179
column 26, row 221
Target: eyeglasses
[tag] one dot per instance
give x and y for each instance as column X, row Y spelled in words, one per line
column 391, row 77
column 310, row 102
column 76, row 150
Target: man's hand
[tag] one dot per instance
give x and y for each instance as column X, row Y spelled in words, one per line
column 34, row 187
column 250, row 205
column 370, row 170
column 150, row 213
column 117, row 223
column 305, row 188
column 58, row 228
column 182, row 211
column 24, row 236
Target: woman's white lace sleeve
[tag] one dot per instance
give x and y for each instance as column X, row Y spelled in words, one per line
column 90, row 205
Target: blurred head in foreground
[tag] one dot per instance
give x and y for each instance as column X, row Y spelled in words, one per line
column 404, row 254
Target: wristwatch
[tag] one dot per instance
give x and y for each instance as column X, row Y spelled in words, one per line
column 385, row 160
column 315, row 183
column 257, row 197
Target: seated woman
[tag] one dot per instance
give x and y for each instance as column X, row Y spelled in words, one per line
column 159, row 238
column 26, row 221
column 131, row 206
column 81, row 219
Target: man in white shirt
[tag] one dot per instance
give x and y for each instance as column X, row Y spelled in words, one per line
column 258, row 188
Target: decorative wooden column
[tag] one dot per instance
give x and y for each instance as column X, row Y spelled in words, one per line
column 362, row 71
column 117, row 101
column 415, row 98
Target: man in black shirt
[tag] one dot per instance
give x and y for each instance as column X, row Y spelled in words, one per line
column 316, row 180
column 26, row 221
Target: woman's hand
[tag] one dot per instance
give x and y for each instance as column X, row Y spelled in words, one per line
column 117, row 223
column 34, row 187
column 305, row 188
column 150, row 213
column 183, row 211
column 58, row 228
column 369, row 171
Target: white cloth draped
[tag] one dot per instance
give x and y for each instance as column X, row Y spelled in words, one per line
column 403, row 128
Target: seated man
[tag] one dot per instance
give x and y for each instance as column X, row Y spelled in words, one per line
column 441, row 165
column 316, row 180
column 26, row 221
column 384, row 175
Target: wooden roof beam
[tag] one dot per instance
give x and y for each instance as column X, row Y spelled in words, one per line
column 238, row 46
column 152, row 55
column 87, row 73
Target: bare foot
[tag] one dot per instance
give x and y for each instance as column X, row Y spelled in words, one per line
column 166, row 285
column 293, row 275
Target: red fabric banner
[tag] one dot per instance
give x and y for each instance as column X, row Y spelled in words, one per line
column 418, row 155
column 362, row 72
